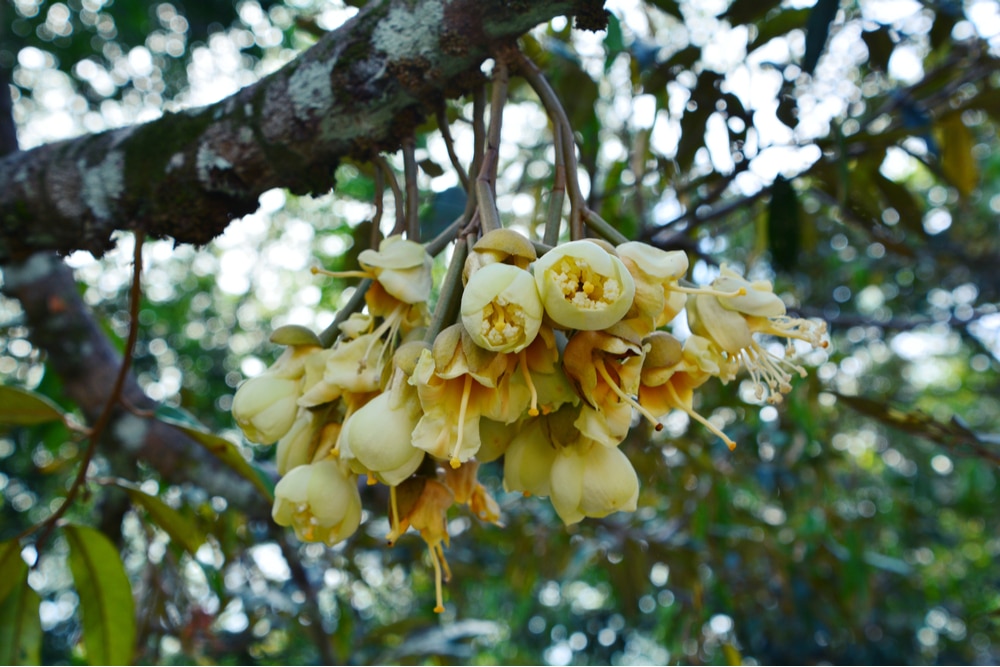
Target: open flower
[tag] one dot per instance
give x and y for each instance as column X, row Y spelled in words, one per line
column 458, row 383
column 656, row 272
column 583, row 286
column 671, row 373
column 402, row 267
column 320, row 501
column 501, row 310
column 729, row 319
column 604, row 368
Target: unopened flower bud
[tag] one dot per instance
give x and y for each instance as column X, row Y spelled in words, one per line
column 320, row 501
column 264, row 407
column 592, row 480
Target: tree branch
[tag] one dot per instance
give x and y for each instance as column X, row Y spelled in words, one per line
column 88, row 364
column 360, row 89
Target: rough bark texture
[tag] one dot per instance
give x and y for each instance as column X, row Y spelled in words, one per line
column 87, row 363
column 359, row 90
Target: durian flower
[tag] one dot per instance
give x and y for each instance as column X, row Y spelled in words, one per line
column 261, row 406
column 297, row 447
column 423, row 504
column 528, row 461
column 378, row 436
column 351, row 366
column 265, row 407
column 501, row 310
column 671, row 373
column 658, row 298
column 730, row 321
column 468, row 490
column 604, row 368
column 499, row 246
column 458, row 383
column 320, row 501
column 583, row 286
column 591, row 480
column 402, row 267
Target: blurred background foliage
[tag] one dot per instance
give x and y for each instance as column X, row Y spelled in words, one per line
column 848, row 151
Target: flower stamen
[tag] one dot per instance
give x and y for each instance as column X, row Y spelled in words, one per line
column 603, row 372
column 533, row 410
column 466, row 390
column 698, row 418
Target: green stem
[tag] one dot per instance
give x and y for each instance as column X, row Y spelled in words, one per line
column 451, row 290
column 329, row 335
column 410, row 177
column 603, row 227
column 554, row 218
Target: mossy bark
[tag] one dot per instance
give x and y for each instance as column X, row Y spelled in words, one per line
column 359, row 90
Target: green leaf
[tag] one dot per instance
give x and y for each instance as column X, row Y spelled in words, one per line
column 784, row 225
column 957, row 160
column 614, row 42
column 20, row 626
column 106, row 607
column 181, row 529
column 12, row 568
column 817, row 31
column 222, row 449
column 23, row 407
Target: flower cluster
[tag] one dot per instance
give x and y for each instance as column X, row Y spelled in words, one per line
column 548, row 362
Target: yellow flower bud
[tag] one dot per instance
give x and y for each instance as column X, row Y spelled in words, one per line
column 264, row 407
column 528, row 461
column 499, row 246
column 592, row 480
column 379, row 436
column 402, row 267
column 320, row 501
column 296, row 447
column 582, row 286
column 500, row 308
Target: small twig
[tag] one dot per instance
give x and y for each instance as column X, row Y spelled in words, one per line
column 329, row 335
column 486, row 181
column 397, row 194
column 561, row 123
column 451, row 290
column 603, row 227
column 449, row 143
column 410, row 178
column 478, row 130
column 554, row 219
column 135, row 296
column 438, row 243
column 379, row 207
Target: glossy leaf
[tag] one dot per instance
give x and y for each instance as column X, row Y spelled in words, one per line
column 817, row 31
column 784, row 224
column 23, row 408
column 106, row 607
column 20, row 625
column 222, row 449
column 12, row 568
column 181, row 529
column 957, row 160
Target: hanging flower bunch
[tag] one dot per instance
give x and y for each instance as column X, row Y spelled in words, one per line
column 539, row 355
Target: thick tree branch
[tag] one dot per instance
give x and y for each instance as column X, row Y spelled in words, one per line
column 88, row 364
column 360, row 89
